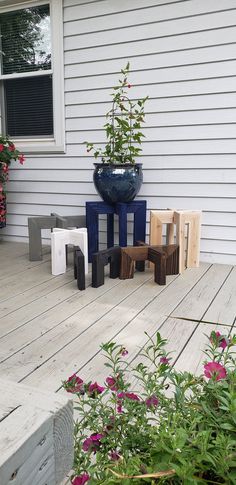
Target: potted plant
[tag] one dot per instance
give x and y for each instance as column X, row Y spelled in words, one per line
column 8, row 152
column 118, row 177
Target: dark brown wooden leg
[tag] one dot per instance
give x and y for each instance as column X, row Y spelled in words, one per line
column 158, row 257
column 79, row 269
column 129, row 255
column 100, row 260
column 127, row 266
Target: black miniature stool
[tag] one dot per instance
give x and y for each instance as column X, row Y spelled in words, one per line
column 79, row 270
column 100, row 260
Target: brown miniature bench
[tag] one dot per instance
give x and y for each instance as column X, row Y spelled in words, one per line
column 164, row 257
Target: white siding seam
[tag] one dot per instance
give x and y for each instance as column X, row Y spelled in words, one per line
column 148, row 54
column 134, row 41
column 148, row 7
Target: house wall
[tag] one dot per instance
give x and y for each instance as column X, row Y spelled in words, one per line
column 183, row 55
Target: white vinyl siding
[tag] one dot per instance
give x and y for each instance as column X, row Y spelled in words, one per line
column 183, row 55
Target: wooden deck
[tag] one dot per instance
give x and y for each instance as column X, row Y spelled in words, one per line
column 49, row 329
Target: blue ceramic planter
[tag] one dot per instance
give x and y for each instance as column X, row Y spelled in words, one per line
column 118, row 183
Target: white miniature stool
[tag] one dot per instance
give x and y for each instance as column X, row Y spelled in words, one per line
column 59, row 239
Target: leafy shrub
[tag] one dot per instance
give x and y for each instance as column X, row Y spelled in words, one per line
column 176, row 428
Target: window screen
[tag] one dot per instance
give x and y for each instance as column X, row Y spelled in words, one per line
column 26, row 48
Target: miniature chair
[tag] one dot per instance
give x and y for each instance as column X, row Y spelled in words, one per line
column 180, row 219
column 100, row 260
column 60, row 238
column 79, row 268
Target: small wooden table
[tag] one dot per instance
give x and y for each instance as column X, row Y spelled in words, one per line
column 93, row 209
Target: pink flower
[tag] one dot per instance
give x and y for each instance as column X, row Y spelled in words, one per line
column 81, row 479
column 1, row 147
column 164, row 360
column 219, row 340
column 21, row 159
column 114, row 456
column 128, row 395
column 12, row 148
column 152, row 401
column 112, row 383
column 124, row 352
column 95, row 389
column 119, row 407
column 74, row 384
column 214, row 370
column 92, row 443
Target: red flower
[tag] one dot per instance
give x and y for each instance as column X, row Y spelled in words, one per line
column 129, row 85
column 214, row 370
column 21, row 159
column 12, row 148
column 81, row 479
column 152, row 401
column 1, row 147
column 74, row 384
column 95, row 389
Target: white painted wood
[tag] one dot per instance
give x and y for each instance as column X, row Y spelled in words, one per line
column 157, row 176
column 165, row 133
column 59, row 239
column 36, row 438
column 182, row 55
column 150, row 30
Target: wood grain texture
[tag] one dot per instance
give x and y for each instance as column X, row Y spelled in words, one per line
column 36, row 438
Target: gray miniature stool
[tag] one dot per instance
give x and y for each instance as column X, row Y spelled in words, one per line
column 36, row 224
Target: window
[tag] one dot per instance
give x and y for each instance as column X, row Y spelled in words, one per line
column 32, row 98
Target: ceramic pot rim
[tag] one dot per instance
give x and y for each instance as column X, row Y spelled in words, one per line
column 114, row 165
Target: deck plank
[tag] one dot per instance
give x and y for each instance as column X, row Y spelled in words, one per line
column 196, row 303
column 192, row 356
column 137, row 314
column 223, row 308
column 49, row 329
column 35, row 327
column 33, row 294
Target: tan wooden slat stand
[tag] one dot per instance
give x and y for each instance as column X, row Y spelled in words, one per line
column 180, row 219
column 36, row 436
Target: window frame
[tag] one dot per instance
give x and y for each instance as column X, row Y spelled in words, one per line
column 57, row 142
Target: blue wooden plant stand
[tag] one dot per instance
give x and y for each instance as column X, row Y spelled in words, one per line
column 93, row 209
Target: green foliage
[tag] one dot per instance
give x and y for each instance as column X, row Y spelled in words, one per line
column 123, row 128
column 176, row 428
